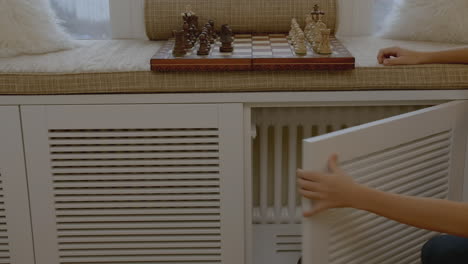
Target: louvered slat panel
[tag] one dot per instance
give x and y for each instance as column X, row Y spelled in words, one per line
column 4, row 238
column 417, row 168
column 137, row 196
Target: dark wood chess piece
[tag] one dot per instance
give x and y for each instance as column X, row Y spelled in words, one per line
column 212, row 24
column 188, row 41
column 204, row 48
column 209, row 30
column 226, row 39
column 179, row 47
column 206, row 33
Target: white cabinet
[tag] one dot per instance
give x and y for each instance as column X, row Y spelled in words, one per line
column 413, row 150
column 136, row 183
column 184, row 183
column 420, row 154
column 16, row 245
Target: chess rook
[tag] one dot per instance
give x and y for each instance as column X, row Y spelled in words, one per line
column 179, row 47
column 325, row 47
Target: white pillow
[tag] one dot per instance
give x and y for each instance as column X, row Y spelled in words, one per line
column 428, row 20
column 30, row 27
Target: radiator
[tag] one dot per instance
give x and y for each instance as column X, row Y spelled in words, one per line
column 277, row 152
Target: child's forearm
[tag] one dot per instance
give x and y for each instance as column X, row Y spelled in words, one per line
column 437, row 215
column 459, row 56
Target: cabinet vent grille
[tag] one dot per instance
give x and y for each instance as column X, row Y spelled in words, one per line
column 278, row 148
column 288, row 243
column 418, row 168
column 4, row 239
column 137, row 196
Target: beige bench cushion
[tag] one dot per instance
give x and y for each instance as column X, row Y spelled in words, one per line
column 36, row 75
column 163, row 16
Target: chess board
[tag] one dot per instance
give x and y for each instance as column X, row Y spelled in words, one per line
column 254, row 52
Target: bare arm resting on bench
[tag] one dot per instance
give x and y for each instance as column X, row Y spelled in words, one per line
column 398, row 56
column 338, row 190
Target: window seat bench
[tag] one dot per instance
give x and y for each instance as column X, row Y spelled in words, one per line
column 122, row 66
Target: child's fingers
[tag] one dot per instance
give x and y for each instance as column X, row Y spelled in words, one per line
column 310, row 194
column 387, row 53
column 309, row 175
column 394, row 61
column 308, row 185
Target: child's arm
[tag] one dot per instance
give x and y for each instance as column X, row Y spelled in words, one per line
column 398, row 56
column 338, row 190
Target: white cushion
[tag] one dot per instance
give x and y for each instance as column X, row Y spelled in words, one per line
column 30, row 27
column 428, row 20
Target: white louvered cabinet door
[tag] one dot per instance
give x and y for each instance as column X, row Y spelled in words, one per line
column 16, row 245
column 136, row 184
column 421, row 154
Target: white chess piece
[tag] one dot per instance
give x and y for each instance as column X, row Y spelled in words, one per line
column 309, row 26
column 300, row 48
column 317, row 35
column 325, row 47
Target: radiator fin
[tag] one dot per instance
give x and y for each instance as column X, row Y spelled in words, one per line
column 137, row 195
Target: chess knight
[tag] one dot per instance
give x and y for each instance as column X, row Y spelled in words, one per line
column 226, row 38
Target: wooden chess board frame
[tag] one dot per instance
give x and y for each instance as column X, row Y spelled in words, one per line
column 261, row 52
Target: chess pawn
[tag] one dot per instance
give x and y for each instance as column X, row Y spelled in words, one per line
column 291, row 32
column 204, row 48
column 179, row 47
column 209, row 32
column 297, row 31
column 226, row 39
column 300, row 48
column 213, row 29
column 325, row 47
column 205, row 32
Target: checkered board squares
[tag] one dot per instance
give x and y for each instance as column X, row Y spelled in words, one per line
column 253, row 52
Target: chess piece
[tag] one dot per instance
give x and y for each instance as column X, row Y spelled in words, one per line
column 300, row 48
column 205, row 32
column 209, row 30
column 188, row 36
column 204, row 48
column 309, row 25
column 212, row 24
column 317, row 32
column 325, row 47
column 193, row 35
column 179, row 47
column 226, row 39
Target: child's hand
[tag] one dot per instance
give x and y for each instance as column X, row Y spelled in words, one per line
column 329, row 190
column 398, row 56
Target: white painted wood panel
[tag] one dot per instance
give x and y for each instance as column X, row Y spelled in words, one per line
column 136, row 183
column 16, row 245
column 252, row 99
column 420, row 153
